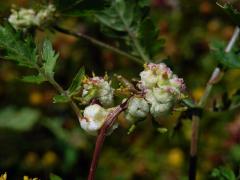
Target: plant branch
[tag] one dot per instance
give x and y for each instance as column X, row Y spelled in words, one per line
column 102, row 135
column 52, row 81
column 216, row 76
column 96, row 42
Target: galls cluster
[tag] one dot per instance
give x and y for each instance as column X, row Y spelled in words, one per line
column 160, row 90
column 94, row 116
column 23, row 19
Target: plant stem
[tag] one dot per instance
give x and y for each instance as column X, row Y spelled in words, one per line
column 97, row 42
column 216, row 76
column 102, row 135
column 52, row 81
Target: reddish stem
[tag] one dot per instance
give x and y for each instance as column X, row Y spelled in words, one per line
column 102, row 135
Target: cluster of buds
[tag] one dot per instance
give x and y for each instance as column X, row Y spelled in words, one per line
column 161, row 89
column 98, row 88
column 23, row 19
column 95, row 115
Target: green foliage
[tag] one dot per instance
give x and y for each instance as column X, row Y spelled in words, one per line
column 38, row 79
column 60, row 99
column 54, row 177
column 148, row 35
column 232, row 12
column 234, row 153
column 235, row 100
column 128, row 18
column 120, row 16
column 79, row 7
column 22, row 51
column 223, row 173
column 18, row 119
column 77, row 82
column 49, row 58
column 228, row 59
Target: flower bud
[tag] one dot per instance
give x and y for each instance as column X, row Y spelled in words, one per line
column 148, row 78
column 94, row 117
column 104, row 91
column 159, row 109
column 137, row 108
column 162, row 88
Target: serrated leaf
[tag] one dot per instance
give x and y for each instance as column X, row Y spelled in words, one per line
column 120, row 16
column 55, row 177
column 228, row 59
column 148, row 35
column 34, row 79
column 18, row 119
column 49, row 57
column 232, row 12
column 16, row 48
column 60, row 99
column 77, row 81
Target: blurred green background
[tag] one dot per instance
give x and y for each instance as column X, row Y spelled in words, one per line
column 38, row 137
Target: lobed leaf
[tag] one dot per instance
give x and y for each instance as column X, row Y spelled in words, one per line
column 49, row 57
column 230, row 59
column 16, row 48
column 77, row 81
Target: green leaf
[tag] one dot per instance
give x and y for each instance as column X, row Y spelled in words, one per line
column 18, row 119
column 232, row 12
column 77, row 81
column 90, row 95
column 16, row 48
column 49, row 57
column 223, row 173
column 234, row 153
column 54, row 177
column 230, row 59
column 34, row 79
column 235, row 100
column 144, row 3
column 60, row 99
column 79, row 7
column 120, row 16
column 148, row 35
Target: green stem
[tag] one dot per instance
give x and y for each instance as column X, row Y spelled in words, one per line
column 61, row 91
column 54, row 83
column 97, row 42
column 216, row 76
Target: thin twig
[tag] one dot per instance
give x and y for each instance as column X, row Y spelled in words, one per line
column 97, row 42
column 216, row 76
column 102, row 135
column 54, row 83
